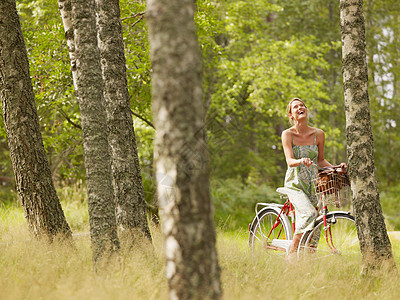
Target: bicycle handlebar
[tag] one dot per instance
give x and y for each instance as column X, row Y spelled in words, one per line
column 336, row 167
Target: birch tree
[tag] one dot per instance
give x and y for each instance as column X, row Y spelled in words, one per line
column 34, row 183
column 374, row 242
column 66, row 16
column 89, row 89
column 181, row 156
column 127, row 181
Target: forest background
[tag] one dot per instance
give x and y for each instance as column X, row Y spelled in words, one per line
column 257, row 55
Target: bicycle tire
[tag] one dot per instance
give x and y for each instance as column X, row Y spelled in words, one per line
column 344, row 238
column 261, row 227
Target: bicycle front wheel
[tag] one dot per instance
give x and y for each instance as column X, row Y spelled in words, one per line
column 337, row 237
column 270, row 231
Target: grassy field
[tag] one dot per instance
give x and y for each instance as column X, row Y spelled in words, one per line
column 33, row 270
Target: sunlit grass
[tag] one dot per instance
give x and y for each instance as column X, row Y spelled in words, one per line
column 248, row 275
column 35, row 270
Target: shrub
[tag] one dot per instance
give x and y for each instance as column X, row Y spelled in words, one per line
column 390, row 202
column 234, row 201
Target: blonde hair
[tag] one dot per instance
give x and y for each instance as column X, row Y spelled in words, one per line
column 289, row 108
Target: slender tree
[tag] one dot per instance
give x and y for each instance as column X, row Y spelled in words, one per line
column 180, row 154
column 32, row 173
column 374, row 242
column 66, row 15
column 127, row 181
column 103, row 229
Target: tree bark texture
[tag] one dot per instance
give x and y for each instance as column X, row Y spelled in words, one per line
column 32, row 173
column 374, row 242
column 181, row 156
column 66, row 15
column 127, row 181
column 103, row 229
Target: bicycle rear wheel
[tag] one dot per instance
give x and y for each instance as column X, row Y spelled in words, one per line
column 269, row 231
column 338, row 237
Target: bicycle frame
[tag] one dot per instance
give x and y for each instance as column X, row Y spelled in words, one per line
column 278, row 232
column 284, row 211
column 288, row 211
column 327, row 227
column 324, row 213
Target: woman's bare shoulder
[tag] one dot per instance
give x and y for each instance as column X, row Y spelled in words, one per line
column 320, row 131
column 286, row 133
column 320, row 135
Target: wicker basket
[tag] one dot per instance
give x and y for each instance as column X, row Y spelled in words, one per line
column 333, row 187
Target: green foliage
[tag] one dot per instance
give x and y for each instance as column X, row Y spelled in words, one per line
column 391, row 207
column 260, row 71
column 7, row 195
column 273, row 72
column 257, row 55
column 382, row 26
column 139, row 76
column 209, row 31
column 234, row 202
column 57, row 106
column 74, row 203
column 320, row 20
column 55, row 97
column 5, row 161
column 137, row 56
column 11, row 218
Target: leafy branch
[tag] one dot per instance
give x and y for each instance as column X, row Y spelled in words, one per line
column 140, row 15
column 143, row 119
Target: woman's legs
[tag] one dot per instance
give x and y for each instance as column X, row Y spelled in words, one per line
column 294, row 245
column 305, row 217
column 305, row 211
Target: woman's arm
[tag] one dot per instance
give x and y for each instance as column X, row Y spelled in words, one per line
column 322, row 162
column 288, row 150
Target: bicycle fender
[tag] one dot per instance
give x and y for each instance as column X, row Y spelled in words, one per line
column 277, row 209
column 331, row 213
column 274, row 206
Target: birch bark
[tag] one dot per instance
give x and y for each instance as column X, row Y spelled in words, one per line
column 374, row 242
column 180, row 152
column 103, row 229
column 66, row 16
column 127, row 181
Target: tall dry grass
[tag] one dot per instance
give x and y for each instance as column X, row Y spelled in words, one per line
column 269, row 276
column 35, row 270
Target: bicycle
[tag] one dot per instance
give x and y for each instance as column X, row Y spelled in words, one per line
column 334, row 232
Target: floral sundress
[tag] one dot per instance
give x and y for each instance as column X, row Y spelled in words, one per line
column 299, row 181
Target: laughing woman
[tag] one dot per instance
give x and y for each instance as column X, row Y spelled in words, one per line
column 303, row 146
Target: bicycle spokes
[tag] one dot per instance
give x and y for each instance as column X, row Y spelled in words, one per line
column 267, row 228
column 336, row 234
column 329, row 241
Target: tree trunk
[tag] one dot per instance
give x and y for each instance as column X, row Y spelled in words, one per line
column 181, row 156
column 32, row 173
column 103, row 229
column 127, row 180
column 374, row 242
column 66, row 15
